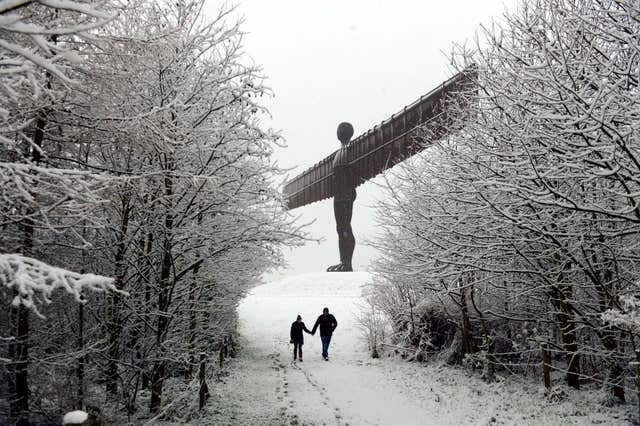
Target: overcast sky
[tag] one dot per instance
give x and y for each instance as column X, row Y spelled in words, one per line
column 351, row 60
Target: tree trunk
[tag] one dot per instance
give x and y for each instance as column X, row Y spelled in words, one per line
column 204, row 389
column 193, row 319
column 157, row 381
column 222, row 352
column 561, row 295
column 467, row 336
column 115, row 319
column 569, row 336
column 636, row 352
column 20, row 317
column 413, row 322
column 20, row 314
column 487, row 345
column 615, row 370
column 80, row 366
column 546, row 367
column 147, row 303
column 608, row 335
column 20, row 351
column 158, row 373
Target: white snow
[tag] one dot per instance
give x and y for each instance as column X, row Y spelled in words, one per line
column 266, row 387
column 35, row 281
column 75, row 417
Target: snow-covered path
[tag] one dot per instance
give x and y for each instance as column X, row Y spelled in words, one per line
column 343, row 390
column 267, row 388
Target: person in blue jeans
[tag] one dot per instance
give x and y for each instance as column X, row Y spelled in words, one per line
column 327, row 323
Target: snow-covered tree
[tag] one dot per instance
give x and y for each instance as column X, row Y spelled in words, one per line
column 527, row 217
column 160, row 126
column 38, row 46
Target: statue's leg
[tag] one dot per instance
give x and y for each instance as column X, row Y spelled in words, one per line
column 341, row 214
column 346, row 242
column 341, row 245
column 349, row 241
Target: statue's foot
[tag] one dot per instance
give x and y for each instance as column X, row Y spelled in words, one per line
column 340, row 268
column 334, row 268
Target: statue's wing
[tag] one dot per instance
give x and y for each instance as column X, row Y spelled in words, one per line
column 388, row 143
column 313, row 185
column 407, row 132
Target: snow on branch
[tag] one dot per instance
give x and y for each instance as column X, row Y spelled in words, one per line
column 628, row 318
column 41, row 193
column 35, row 281
column 35, row 48
column 76, row 6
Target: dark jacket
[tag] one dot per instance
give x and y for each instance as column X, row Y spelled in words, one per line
column 327, row 323
column 296, row 331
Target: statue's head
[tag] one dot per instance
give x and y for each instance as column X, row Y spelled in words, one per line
column 345, row 131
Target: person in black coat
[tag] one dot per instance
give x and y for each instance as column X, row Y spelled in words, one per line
column 297, row 337
column 327, row 323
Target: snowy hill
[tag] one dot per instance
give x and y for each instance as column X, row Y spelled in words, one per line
column 267, row 388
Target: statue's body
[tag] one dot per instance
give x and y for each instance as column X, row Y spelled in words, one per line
column 343, row 198
column 407, row 132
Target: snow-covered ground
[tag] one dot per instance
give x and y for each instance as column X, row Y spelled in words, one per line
column 265, row 386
